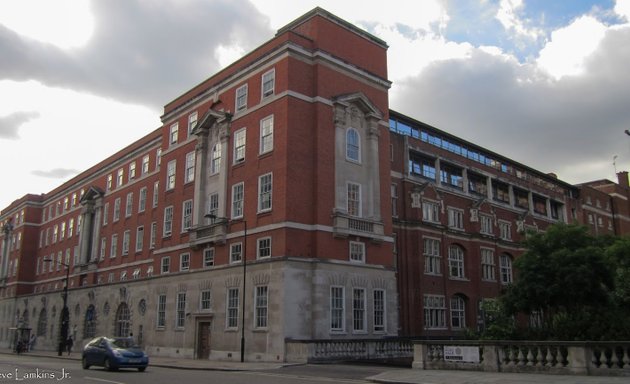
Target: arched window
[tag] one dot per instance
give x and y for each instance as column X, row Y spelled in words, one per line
column 353, row 145
column 505, row 264
column 122, row 320
column 458, row 312
column 42, row 322
column 215, row 166
column 89, row 326
column 456, row 261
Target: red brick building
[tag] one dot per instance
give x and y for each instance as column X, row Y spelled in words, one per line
column 282, row 199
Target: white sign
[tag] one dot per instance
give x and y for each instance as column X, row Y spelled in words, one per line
column 461, row 354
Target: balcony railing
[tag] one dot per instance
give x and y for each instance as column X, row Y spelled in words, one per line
column 208, row 234
column 345, row 225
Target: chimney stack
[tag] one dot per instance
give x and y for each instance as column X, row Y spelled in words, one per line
column 622, row 179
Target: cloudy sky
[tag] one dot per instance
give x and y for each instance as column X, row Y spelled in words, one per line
column 546, row 83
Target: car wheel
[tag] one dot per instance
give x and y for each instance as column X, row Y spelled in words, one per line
column 142, row 369
column 108, row 366
column 84, row 363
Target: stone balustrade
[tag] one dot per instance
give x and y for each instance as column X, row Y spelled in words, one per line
column 312, row 351
column 556, row 357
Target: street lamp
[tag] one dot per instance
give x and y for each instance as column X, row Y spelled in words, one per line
column 213, row 218
column 65, row 315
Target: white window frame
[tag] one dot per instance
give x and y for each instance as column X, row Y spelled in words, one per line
column 434, row 308
column 205, row 300
column 353, row 199
column 261, row 306
column 129, row 205
column 142, row 199
column 132, row 171
column 240, row 98
column 184, row 261
column 505, row 265
column 232, row 303
column 139, row 238
column 236, row 253
column 120, row 177
column 173, row 134
column 359, row 311
column 165, row 265
column 430, row 211
column 171, row 174
column 215, row 164
column 458, row 312
column 353, row 150
column 357, row 251
column 187, row 215
column 192, row 122
column 189, row 173
column 116, row 215
column 505, row 230
column 456, row 219
column 208, row 257
column 240, row 145
column 180, row 310
column 125, row 242
column 486, row 223
column 167, row 229
column 113, row 250
column 238, row 200
column 337, row 309
column 263, row 247
column 379, row 308
column 488, row 265
column 156, row 193
column 268, row 77
column 266, row 135
column 456, row 262
column 145, row 164
column 265, row 192
column 161, row 312
column 432, row 256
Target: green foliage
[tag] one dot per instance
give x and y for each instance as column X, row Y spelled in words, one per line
column 580, row 284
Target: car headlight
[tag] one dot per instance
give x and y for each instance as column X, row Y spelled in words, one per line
column 117, row 353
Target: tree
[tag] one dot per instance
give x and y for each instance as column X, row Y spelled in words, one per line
column 565, row 276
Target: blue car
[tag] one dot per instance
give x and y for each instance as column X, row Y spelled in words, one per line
column 114, row 353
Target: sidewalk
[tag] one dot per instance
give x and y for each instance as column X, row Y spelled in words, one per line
column 173, row 362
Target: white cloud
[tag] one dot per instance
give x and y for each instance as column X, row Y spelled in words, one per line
column 565, row 53
column 622, row 8
column 64, row 23
column 507, row 15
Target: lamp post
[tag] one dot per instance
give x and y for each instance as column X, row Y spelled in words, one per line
column 213, row 217
column 65, row 315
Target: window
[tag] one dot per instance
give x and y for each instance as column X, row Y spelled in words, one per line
column 189, row 174
column 70, row 227
column 158, row 158
column 192, row 122
column 168, row 221
column 432, row 258
column 379, row 310
column 153, row 235
column 156, row 191
column 434, row 312
column 132, row 171
column 136, row 274
column 241, row 98
column 139, row 238
column 430, row 212
column 120, row 177
column 237, row 200
column 122, row 320
column 215, row 165
column 358, row 310
column 125, row 242
column 55, row 232
column 505, row 263
column 357, row 251
column 268, row 83
column 354, row 199
column 103, row 248
column 487, row 264
column 456, row 261
column 265, row 184
column 477, row 184
column 500, row 191
column 89, row 324
column 180, row 315
column 236, row 253
column 123, row 275
column 62, row 233
column 170, row 174
column 239, row 146
column 204, row 300
column 187, row 215
column 165, row 266
column 458, row 312
column 394, row 195
column 173, row 134
column 353, row 145
column 213, row 204
column 264, row 247
column 161, row 311
column 261, row 302
column 232, row 308
column 116, row 209
column 337, row 309
column 113, row 250
column 184, row 262
column 455, row 219
column 451, row 176
column 266, row 134
column 505, row 230
column 145, row 164
column 208, row 257
column 142, row 200
column 486, row 224
column 129, row 204
column 422, row 166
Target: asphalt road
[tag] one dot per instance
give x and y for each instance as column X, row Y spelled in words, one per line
column 29, row 369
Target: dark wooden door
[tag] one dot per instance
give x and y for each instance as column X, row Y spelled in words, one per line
column 203, row 345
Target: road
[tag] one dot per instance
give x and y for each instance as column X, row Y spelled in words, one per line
column 30, row 369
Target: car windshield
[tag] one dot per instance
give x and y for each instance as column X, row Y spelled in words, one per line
column 123, row 343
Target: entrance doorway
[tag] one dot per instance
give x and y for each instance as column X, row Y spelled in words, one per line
column 203, row 339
